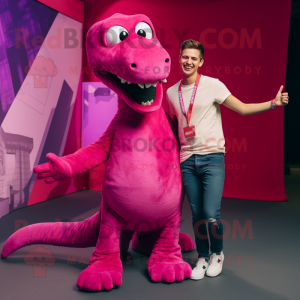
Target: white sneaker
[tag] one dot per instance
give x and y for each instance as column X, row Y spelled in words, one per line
column 200, row 269
column 215, row 266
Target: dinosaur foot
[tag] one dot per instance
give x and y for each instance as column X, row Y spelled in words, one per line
column 169, row 272
column 101, row 275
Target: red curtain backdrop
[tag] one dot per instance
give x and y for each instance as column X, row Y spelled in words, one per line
column 245, row 46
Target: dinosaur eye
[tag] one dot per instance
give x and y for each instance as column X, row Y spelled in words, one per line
column 116, row 35
column 143, row 29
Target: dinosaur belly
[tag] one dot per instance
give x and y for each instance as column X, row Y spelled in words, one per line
column 142, row 182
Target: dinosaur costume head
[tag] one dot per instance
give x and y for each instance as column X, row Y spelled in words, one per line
column 125, row 54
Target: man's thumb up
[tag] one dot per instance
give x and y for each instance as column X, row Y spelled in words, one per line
column 280, row 90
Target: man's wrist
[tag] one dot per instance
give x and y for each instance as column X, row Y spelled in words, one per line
column 273, row 104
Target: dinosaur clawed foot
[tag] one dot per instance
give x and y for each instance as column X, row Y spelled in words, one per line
column 169, row 272
column 100, row 275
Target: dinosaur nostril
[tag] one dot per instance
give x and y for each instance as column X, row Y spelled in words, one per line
column 166, row 60
column 133, row 65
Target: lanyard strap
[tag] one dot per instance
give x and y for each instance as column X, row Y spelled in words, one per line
column 188, row 116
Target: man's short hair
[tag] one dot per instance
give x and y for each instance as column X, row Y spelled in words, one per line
column 192, row 44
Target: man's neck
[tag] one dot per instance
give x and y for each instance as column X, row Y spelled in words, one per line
column 186, row 80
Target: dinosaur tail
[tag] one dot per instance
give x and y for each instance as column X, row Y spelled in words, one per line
column 67, row 234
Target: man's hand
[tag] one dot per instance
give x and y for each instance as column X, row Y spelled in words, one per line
column 281, row 99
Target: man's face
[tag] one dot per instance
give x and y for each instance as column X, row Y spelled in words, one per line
column 190, row 61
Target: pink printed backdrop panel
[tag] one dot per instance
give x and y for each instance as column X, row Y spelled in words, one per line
column 42, row 191
column 246, row 48
column 39, row 118
column 70, row 8
column 70, row 63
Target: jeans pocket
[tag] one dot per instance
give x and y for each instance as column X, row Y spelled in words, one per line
column 188, row 165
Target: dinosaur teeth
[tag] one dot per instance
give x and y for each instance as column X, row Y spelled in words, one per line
column 147, row 103
column 141, row 85
column 164, row 80
column 122, row 80
column 147, row 85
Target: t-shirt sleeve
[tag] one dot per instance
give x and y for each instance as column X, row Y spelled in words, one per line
column 167, row 105
column 220, row 91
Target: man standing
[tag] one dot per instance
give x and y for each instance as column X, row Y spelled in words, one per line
column 195, row 101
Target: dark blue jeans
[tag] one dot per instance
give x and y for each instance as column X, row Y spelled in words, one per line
column 203, row 179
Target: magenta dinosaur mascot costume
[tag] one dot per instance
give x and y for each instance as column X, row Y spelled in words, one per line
column 142, row 189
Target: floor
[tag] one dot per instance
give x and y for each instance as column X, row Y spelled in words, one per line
column 261, row 262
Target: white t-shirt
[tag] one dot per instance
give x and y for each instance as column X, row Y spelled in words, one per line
column 206, row 116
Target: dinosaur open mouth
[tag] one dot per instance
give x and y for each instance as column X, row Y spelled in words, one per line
column 143, row 94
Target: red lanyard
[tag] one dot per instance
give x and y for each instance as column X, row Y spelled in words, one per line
column 188, row 117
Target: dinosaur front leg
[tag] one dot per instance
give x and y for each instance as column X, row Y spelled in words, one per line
column 166, row 263
column 105, row 266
